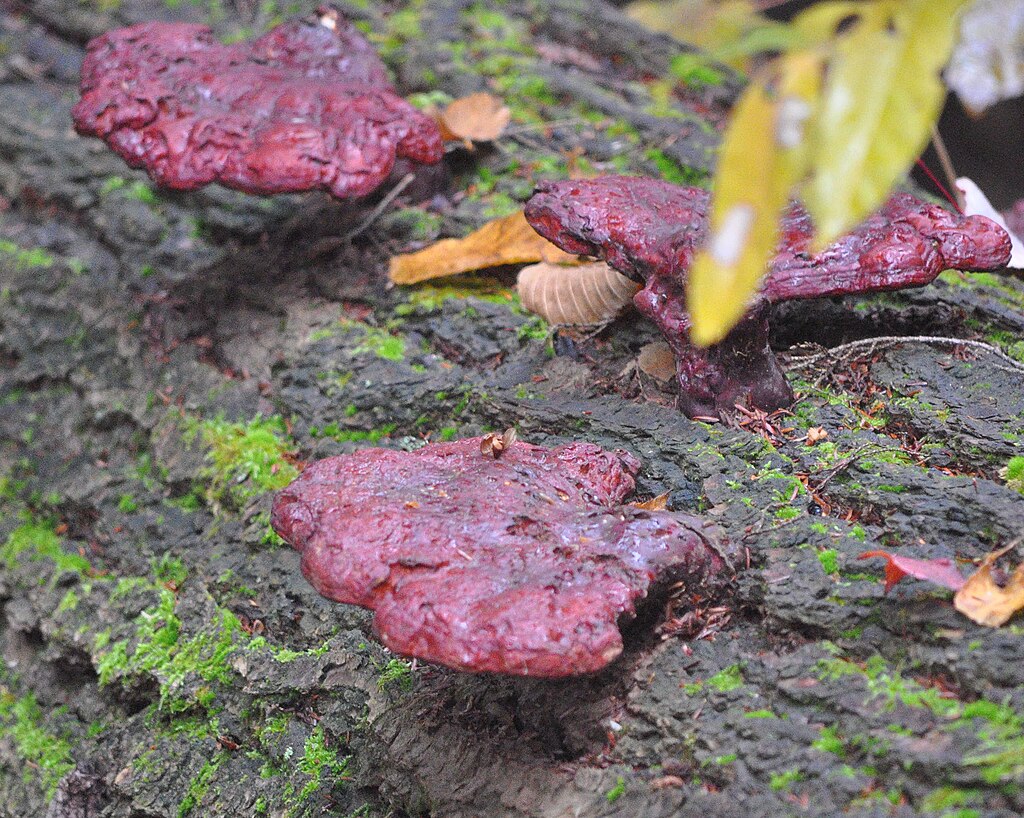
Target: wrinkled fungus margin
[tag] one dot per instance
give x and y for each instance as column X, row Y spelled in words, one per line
column 306, row 106
column 521, row 564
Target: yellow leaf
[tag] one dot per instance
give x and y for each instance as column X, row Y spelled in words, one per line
column 821, row 22
column 762, row 156
column 880, row 99
column 730, row 31
column 983, row 601
column 509, row 240
column 479, row 117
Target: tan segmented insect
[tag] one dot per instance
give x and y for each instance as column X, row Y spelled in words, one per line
column 582, row 294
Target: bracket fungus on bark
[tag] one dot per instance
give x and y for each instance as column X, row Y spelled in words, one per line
column 519, row 564
column 650, row 230
column 306, row 106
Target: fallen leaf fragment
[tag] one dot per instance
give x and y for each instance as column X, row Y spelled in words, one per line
column 581, row 294
column 816, row 434
column 508, row 240
column 480, row 117
column 659, row 503
column 657, row 360
column 982, row 600
column 941, row 571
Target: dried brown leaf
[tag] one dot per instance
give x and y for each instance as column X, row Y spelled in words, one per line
column 816, row 434
column 508, row 240
column 479, row 117
column 982, row 600
column 581, row 294
column 495, row 443
column 657, row 360
column 659, row 503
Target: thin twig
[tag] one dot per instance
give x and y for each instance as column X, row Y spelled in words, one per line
column 947, row 166
column 331, row 243
column 382, row 205
column 540, row 126
column 870, row 345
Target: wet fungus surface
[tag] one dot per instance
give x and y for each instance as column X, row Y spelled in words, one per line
column 306, row 106
column 650, row 230
column 521, row 563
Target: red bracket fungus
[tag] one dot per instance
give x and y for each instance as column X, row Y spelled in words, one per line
column 649, row 230
column 519, row 564
column 306, row 106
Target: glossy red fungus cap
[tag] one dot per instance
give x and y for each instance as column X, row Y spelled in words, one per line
column 306, row 106
column 520, row 564
column 646, row 227
column 650, row 230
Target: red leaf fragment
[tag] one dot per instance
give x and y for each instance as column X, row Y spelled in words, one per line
column 306, row 106
column 941, row 571
column 521, row 564
column 650, row 229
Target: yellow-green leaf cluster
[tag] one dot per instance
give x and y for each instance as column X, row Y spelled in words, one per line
column 729, row 31
column 752, row 187
column 837, row 122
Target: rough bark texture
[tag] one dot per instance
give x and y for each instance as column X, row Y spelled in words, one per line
column 163, row 655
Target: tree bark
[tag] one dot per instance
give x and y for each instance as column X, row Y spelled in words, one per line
column 163, row 655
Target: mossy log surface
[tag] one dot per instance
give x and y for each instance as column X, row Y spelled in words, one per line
column 166, row 359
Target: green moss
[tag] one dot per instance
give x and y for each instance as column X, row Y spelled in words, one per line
column 671, row 171
column 536, row 329
column 726, row 679
column 35, row 258
column 127, row 504
column 787, row 513
column 44, row 754
column 138, row 190
column 200, row 784
column 695, row 70
column 319, row 759
column 1003, row 290
column 999, row 754
column 160, row 650
column 616, row 792
column 760, row 714
column 36, row 541
column 728, row 758
column 829, row 742
column 783, row 780
column 429, row 99
column 829, row 559
column 169, row 569
column 245, row 459
column 381, row 343
column 69, row 602
column 427, row 298
column 397, row 672
column 1013, row 473
column 500, row 205
column 336, row 432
